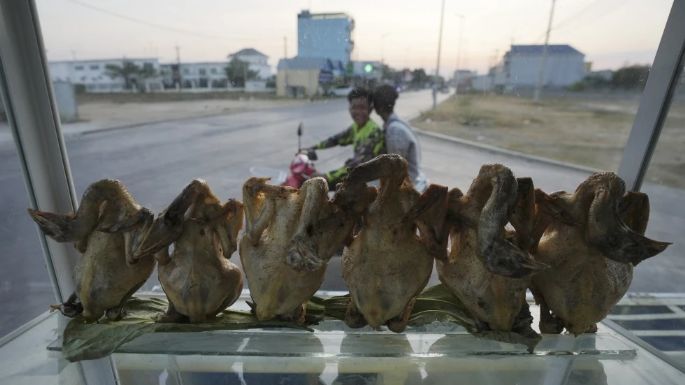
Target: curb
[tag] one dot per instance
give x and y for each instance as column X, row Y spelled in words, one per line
column 502, row 151
column 138, row 124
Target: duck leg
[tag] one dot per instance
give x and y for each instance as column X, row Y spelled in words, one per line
column 105, row 206
column 549, row 324
column 501, row 256
column 399, row 323
column 304, row 253
column 353, row 317
column 610, row 234
column 228, row 227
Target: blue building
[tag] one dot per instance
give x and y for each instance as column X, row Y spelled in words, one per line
column 325, row 35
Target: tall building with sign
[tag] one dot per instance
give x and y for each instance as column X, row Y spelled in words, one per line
column 325, row 35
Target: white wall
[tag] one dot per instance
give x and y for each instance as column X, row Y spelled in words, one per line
column 560, row 70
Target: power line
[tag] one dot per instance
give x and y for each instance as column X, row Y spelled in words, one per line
column 154, row 25
column 582, row 11
column 572, row 17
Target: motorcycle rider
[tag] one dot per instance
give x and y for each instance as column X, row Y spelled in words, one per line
column 364, row 135
column 399, row 135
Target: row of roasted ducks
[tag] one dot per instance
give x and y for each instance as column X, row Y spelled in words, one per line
column 574, row 251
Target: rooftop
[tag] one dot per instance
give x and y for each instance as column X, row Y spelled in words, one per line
column 247, row 51
column 536, row 49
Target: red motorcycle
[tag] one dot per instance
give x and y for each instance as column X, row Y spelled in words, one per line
column 302, row 167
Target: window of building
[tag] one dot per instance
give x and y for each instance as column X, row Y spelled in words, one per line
column 78, row 68
column 94, row 67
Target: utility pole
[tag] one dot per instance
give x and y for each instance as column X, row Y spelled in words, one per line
column 459, row 48
column 437, row 66
column 541, row 76
column 285, row 65
column 178, row 79
column 285, row 47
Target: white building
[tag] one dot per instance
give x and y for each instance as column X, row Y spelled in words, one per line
column 256, row 60
column 520, row 67
column 94, row 77
column 195, row 75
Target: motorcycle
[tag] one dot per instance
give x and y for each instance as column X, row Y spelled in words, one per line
column 302, row 166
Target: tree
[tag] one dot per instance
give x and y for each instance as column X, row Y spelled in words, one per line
column 128, row 71
column 131, row 73
column 631, row 77
column 419, row 78
column 239, row 71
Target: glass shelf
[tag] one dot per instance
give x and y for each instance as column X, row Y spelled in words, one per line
column 437, row 353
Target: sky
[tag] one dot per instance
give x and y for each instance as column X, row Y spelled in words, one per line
column 403, row 34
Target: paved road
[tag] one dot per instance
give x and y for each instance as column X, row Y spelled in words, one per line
column 157, row 160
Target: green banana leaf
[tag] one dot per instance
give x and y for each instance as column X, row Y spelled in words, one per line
column 83, row 341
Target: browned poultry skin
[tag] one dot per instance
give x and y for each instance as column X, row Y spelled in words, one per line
column 105, row 227
column 198, row 278
column 478, row 218
column 585, row 279
column 387, row 264
column 274, row 217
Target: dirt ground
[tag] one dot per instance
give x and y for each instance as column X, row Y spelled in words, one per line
column 115, row 110
column 587, row 130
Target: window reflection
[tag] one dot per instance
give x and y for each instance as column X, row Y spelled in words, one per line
column 665, row 186
column 25, row 289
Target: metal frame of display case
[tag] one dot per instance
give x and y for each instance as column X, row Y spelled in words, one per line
column 27, row 92
column 655, row 100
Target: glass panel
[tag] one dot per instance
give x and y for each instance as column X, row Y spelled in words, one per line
column 589, row 79
column 25, row 289
column 436, row 355
column 147, row 112
column 665, row 185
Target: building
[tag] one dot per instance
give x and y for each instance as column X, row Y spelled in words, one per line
column 93, row 75
column 520, row 67
column 195, row 75
column 325, row 35
column 256, row 60
column 306, row 76
column 462, row 78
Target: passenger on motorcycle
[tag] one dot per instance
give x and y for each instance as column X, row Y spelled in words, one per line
column 364, row 134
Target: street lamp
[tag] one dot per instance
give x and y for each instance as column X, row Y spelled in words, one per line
column 383, row 36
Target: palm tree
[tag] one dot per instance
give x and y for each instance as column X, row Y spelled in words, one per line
column 128, row 71
column 239, row 71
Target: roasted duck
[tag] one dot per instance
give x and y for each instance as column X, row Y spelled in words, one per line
column 591, row 239
column 388, row 262
column 105, row 228
column 198, row 278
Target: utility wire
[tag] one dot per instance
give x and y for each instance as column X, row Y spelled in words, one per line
column 575, row 15
column 154, row 25
column 572, row 17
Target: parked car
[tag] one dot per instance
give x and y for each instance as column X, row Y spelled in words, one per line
column 339, row 91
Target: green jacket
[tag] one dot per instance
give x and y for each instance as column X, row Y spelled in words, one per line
column 368, row 142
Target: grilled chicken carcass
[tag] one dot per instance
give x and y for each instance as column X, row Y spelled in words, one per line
column 489, row 268
column 592, row 239
column 105, row 228
column 282, row 251
column 388, row 263
column 198, row 278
